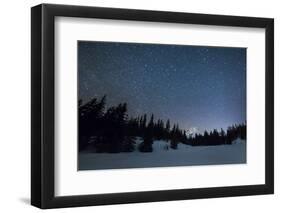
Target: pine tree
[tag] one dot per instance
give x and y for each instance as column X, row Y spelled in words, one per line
column 222, row 137
column 174, row 143
column 151, row 122
column 90, row 119
column 114, row 138
column 146, row 145
column 167, row 126
column 167, row 130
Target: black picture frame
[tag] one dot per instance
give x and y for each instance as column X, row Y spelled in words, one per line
column 43, row 111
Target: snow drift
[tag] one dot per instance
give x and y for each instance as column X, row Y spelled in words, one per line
column 164, row 156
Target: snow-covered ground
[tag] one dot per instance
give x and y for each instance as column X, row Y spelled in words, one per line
column 185, row 155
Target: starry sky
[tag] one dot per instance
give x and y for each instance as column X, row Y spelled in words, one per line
column 198, row 87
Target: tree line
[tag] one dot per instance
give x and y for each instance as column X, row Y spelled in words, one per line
column 113, row 131
column 216, row 137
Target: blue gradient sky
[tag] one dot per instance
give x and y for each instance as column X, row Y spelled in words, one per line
column 196, row 87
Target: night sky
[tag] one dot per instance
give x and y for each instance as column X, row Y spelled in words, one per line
column 197, row 87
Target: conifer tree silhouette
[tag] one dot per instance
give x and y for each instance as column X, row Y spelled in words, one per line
column 112, row 131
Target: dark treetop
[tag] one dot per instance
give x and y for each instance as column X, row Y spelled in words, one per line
column 197, row 87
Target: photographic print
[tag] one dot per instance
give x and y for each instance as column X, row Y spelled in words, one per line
column 180, row 92
column 160, row 105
